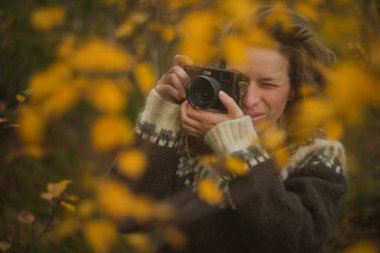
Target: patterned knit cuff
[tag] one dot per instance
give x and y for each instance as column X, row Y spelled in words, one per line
column 160, row 121
column 232, row 135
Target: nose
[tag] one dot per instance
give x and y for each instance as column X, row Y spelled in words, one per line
column 252, row 95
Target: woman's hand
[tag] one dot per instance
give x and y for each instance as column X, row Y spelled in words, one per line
column 173, row 83
column 197, row 122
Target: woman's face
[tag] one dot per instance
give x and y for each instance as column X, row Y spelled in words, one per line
column 268, row 86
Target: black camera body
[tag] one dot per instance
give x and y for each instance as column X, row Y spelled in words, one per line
column 206, row 82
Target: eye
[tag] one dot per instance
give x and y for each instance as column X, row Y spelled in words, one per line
column 268, row 85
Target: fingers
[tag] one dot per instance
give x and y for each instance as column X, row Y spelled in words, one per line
column 232, row 108
column 181, row 60
column 172, row 85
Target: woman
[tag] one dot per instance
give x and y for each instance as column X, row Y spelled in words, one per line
column 270, row 209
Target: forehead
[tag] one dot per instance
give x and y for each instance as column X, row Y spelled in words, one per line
column 264, row 61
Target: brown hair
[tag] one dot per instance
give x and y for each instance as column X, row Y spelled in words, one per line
column 296, row 39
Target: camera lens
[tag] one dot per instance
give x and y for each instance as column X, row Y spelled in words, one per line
column 203, row 92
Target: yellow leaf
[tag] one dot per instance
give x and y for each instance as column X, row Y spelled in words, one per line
column 235, row 50
column 100, row 234
column 352, row 88
column 258, row 37
column 115, row 199
column 48, row 81
column 362, row 247
column 86, row 208
column 20, row 98
column 142, row 209
column 62, row 100
column 333, row 129
column 107, row 96
column 273, row 138
column 145, row 76
column 55, row 189
column 236, row 166
column 209, row 192
column 140, row 242
column 100, row 55
column 307, row 10
column 282, row 157
column 132, row 163
column 313, row 112
column 208, row 160
column 66, row 228
column 199, row 29
column 31, row 125
column 111, row 131
column 176, row 238
column 66, row 46
column 48, row 17
column 68, row 206
column 125, row 29
column 33, row 150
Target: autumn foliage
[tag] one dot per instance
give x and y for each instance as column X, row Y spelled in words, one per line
column 68, row 105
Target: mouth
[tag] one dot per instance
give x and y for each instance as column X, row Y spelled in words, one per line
column 257, row 117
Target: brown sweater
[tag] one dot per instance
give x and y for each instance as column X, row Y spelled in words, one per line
column 270, row 209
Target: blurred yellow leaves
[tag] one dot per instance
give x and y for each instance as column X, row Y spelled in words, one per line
column 48, row 81
column 176, row 238
column 362, row 247
column 198, row 31
column 100, row 234
column 132, row 163
column 129, row 25
column 140, row 242
column 100, row 55
column 273, row 138
column 31, row 125
column 111, row 131
column 48, row 17
column 236, row 166
column 313, row 112
column 107, row 96
column 55, row 190
column 232, row 9
column 115, row 199
column 352, row 88
column 209, row 192
column 308, row 10
column 145, row 76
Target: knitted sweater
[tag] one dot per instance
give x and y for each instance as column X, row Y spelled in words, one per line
column 271, row 209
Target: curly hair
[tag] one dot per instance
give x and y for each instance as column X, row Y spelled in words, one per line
column 295, row 38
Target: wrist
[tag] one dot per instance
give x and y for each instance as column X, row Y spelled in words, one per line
column 232, row 135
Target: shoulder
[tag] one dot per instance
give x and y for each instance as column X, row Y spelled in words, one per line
column 317, row 153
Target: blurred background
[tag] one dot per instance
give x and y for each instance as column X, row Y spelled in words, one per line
column 75, row 74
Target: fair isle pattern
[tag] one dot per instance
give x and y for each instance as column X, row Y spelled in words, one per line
column 320, row 152
column 159, row 123
column 193, row 171
column 162, row 137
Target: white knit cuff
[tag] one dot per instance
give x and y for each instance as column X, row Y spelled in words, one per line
column 232, row 135
column 163, row 114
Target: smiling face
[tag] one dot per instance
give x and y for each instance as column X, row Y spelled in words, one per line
column 268, row 86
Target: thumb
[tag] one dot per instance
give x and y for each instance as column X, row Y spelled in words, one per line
column 232, row 108
column 182, row 60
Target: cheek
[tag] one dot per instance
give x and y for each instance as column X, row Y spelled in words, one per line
column 277, row 102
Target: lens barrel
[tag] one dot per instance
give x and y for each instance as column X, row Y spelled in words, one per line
column 203, row 92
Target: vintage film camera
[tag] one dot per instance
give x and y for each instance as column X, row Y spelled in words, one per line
column 206, row 82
